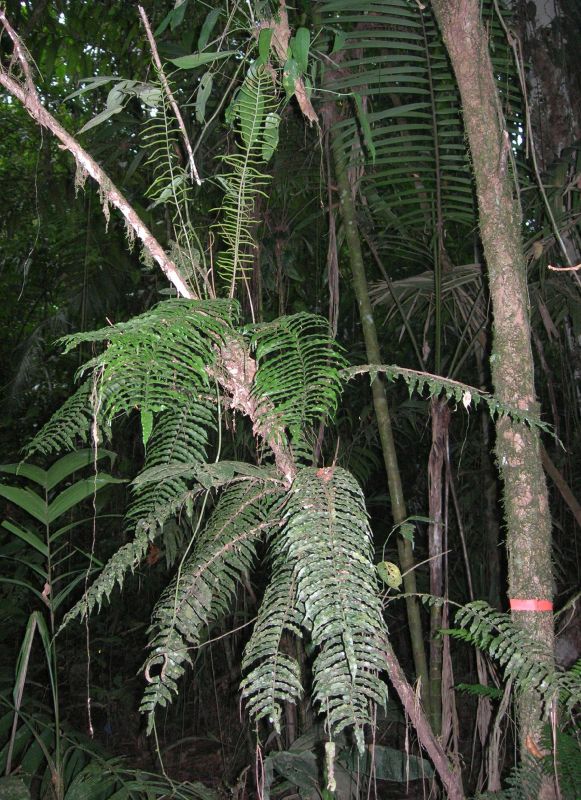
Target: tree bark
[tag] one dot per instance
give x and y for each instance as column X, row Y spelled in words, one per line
column 527, row 517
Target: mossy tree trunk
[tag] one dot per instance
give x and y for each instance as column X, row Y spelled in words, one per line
column 527, row 517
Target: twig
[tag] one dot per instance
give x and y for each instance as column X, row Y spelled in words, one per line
column 564, row 269
column 164, row 82
column 29, row 98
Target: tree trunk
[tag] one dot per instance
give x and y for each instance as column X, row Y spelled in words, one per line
column 528, row 521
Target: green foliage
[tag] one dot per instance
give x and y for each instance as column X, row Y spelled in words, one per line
column 273, row 677
column 204, row 586
column 297, row 382
column 157, row 360
column 86, row 772
column 435, row 386
column 254, row 111
column 523, row 660
column 45, row 504
column 561, row 760
column 328, row 538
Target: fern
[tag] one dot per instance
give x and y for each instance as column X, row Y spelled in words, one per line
column 328, row 539
column 180, row 436
column 434, row 386
column 204, row 586
column 172, row 188
column 273, row 677
column 298, row 372
column 254, row 110
column 70, row 424
column 522, row 658
column 158, row 359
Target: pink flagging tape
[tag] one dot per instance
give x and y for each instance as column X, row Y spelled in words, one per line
column 530, row 605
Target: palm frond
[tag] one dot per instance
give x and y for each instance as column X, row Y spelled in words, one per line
column 396, row 58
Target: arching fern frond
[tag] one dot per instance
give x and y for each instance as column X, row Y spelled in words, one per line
column 435, row 386
column 329, row 541
column 522, row 658
column 299, row 367
column 204, row 585
column 68, row 426
column 273, row 677
column 254, row 110
column 159, row 359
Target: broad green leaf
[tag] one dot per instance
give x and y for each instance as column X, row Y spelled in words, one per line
column 300, row 44
column 97, row 120
column 178, row 13
column 202, row 95
column 270, row 135
column 71, row 462
column 25, row 499
column 30, row 471
column 75, row 494
column 196, row 60
column 91, row 83
column 27, row 536
column 390, row 574
column 148, row 94
column 208, row 27
column 118, row 94
column 339, row 42
column 291, row 73
column 264, row 40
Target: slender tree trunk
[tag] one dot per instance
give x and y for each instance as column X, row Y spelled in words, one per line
column 440, row 416
column 528, row 520
column 398, row 508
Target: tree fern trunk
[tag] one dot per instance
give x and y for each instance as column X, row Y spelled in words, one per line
column 528, row 520
column 359, row 282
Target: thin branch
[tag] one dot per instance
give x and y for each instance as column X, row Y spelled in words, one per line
column 167, row 89
column 29, row 98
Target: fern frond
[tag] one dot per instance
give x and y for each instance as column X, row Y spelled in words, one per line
column 159, row 359
column 329, row 541
column 435, row 386
column 298, row 371
column 273, row 677
column 67, row 426
column 205, row 585
column 179, row 438
column 254, row 112
column 524, row 660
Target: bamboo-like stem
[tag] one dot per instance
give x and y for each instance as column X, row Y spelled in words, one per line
column 359, row 282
